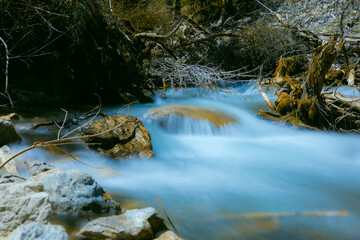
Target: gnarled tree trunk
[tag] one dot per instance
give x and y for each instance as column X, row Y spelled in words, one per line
column 310, row 109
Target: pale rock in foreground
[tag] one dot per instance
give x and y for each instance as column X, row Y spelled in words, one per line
column 38, row 231
column 139, row 224
column 168, row 235
column 128, row 139
column 22, row 203
column 75, row 191
column 5, row 154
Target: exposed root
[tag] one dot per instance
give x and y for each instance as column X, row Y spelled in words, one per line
column 306, row 104
column 288, row 67
column 263, row 94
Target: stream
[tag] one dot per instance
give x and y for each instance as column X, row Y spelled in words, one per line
column 249, row 180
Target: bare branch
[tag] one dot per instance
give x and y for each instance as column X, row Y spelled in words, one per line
column 78, row 128
column 208, row 38
column 158, row 36
column 7, row 72
column 274, row 13
column 263, row 94
column 62, row 126
column 110, row 6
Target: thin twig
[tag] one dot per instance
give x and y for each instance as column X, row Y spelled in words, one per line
column 62, row 126
column 78, row 128
column 57, row 142
column 167, row 216
column 274, row 13
column 127, row 106
column 110, row 6
column 72, row 156
column 263, row 94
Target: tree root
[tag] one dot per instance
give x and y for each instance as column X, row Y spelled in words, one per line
column 305, row 104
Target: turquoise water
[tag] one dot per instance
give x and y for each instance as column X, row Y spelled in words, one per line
column 213, row 182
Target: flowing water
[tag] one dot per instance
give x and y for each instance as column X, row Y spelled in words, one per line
column 249, row 180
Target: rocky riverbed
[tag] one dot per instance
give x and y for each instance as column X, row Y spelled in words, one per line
column 322, row 16
column 28, row 205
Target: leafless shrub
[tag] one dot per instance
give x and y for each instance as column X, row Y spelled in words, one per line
column 179, row 75
column 258, row 44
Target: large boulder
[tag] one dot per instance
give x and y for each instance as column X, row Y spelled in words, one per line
column 5, row 154
column 75, row 191
column 8, row 133
column 129, row 138
column 139, row 224
column 38, row 231
column 22, row 203
column 217, row 118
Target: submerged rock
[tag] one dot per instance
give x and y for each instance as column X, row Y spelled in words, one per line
column 139, row 224
column 76, row 192
column 5, row 154
column 8, row 133
column 168, row 235
column 129, row 138
column 22, row 203
column 215, row 117
column 38, row 231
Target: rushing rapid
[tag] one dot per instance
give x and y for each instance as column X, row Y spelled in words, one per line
column 250, row 179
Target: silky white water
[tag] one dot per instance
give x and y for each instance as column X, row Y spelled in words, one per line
column 251, row 180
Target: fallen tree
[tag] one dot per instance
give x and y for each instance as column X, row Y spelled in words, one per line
column 303, row 101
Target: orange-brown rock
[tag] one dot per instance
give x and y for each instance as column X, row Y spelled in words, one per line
column 128, row 139
column 215, row 117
